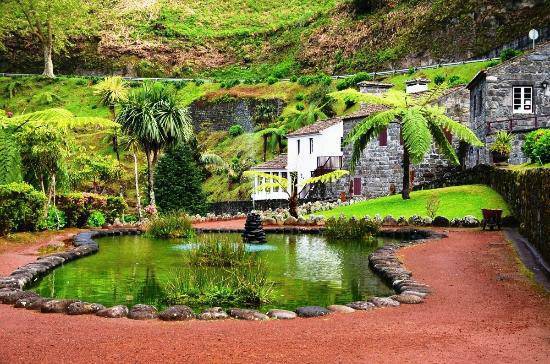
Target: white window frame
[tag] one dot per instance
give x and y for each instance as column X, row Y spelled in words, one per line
column 310, row 145
column 522, row 104
column 298, row 144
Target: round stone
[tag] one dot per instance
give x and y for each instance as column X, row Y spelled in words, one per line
column 142, row 312
column 113, row 312
column 84, row 308
column 37, row 305
column 26, row 302
column 384, row 302
column 214, row 313
column 407, row 298
column 246, row 314
column 415, row 293
column 56, row 306
column 361, row 305
column 312, row 311
column 341, row 309
column 281, row 314
column 177, row 313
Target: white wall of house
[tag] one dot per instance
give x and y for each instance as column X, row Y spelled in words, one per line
column 275, row 193
column 325, row 143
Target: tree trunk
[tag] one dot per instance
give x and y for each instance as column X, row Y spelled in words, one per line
column 405, row 193
column 48, row 64
column 293, row 205
column 265, row 147
column 136, row 182
column 150, row 178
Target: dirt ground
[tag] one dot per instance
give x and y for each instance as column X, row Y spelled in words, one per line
column 483, row 309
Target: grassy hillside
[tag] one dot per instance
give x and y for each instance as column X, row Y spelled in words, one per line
column 455, row 202
column 261, row 39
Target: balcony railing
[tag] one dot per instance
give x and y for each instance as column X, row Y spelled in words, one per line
column 520, row 123
column 330, row 163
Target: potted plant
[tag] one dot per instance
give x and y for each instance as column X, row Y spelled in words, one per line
column 501, row 147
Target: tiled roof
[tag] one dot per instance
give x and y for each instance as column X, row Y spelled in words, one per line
column 315, row 128
column 365, row 111
column 278, row 162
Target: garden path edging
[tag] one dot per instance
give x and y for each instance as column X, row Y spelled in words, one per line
column 383, row 261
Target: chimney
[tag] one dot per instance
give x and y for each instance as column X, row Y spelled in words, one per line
column 372, row 87
column 417, row 85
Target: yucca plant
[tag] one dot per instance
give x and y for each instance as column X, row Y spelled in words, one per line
column 502, row 146
column 422, row 125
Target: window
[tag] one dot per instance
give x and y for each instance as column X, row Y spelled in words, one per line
column 523, row 100
column 383, row 138
column 276, row 188
column 474, row 103
column 310, row 145
column 285, row 176
column 298, row 141
column 341, row 144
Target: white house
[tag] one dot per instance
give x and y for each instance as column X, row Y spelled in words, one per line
column 312, row 151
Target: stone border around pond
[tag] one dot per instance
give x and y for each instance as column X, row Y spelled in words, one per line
column 383, row 261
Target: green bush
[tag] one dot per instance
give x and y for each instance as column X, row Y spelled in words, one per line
column 343, row 228
column 300, row 106
column 130, row 219
column 170, row 226
column 502, row 143
column 411, row 71
column 271, row 80
column 349, row 102
column 293, row 78
column 79, row 206
column 352, row 81
column 300, row 96
column 178, row 182
column 96, row 219
column 21, row 207
column 509, row 53
column 55, row 220
column 315, row 79
column 454, row 80
column 236, row 130
column 439, row 79
column 230, row 83
column 537, row 146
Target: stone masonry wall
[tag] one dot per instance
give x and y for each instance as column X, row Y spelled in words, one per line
column 380, row 167
column 220, row 115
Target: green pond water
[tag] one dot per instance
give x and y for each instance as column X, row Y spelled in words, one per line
column 305, row 269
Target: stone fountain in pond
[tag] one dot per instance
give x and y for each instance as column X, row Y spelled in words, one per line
column 253, row 230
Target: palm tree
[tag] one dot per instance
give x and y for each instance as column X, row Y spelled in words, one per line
column 310, row 115
column 276, row 135
column 276, row 181
column 112, row 91
column 152, row 115
column 422, row 124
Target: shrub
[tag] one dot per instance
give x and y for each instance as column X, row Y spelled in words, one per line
column 300, row 106
column 230, row 83
column 170, row 226
column 454, row 80
column 493, row 63
column 343, row 228
column 300, row 96
column 411, row 71
column 315, row 79
column 21, row 207
column 129, row 219
column 79, row 206
column 432, row 205
column 293, row 78
column 537, row 146
column 198, row 82
column 439, row 79
column 502, row 143
column 509, row 53
column 349, row 102
column 352, row 81
column 236, row 130
column 96, row 219
column 178, row 182
column 271, row 80
column 55, row 220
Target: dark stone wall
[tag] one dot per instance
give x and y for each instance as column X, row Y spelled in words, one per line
column 219, row 115
column 527, row 194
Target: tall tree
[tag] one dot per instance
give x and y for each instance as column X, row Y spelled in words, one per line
column 153, row 116
column 51, row 22
column 422, row 125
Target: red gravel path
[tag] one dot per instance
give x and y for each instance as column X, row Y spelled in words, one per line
column 483, row 310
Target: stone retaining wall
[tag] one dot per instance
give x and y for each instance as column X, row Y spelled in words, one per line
column 527, row 194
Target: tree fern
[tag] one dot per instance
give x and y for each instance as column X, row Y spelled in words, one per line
column 416, row 134
column 10, row 158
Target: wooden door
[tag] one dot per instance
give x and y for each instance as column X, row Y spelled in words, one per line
column 357, row 186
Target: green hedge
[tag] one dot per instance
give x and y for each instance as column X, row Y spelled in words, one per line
column 79, row 206
column 21, row 207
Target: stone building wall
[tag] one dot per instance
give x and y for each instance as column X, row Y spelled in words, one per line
column 220, row 115
column 380, row 167
column 492, row 102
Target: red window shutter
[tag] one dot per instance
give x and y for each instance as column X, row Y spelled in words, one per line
column 383, row 138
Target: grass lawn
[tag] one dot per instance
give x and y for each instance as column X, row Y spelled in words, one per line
column 456, row 202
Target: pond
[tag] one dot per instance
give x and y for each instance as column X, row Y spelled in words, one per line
column 305, row 269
